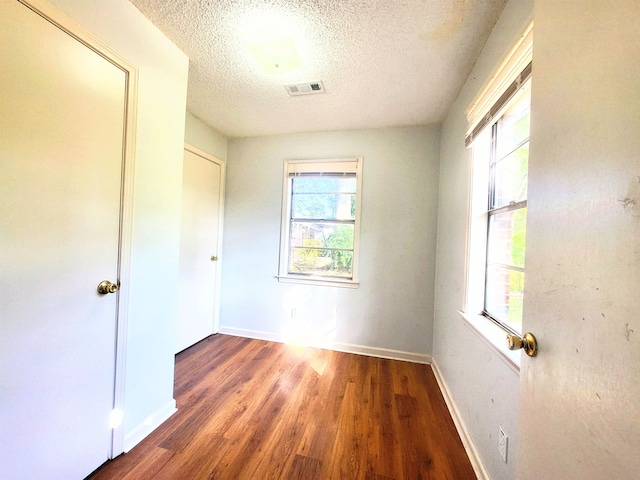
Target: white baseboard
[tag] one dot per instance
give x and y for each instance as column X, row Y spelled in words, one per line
column 336, row 346
column 153, row 421
column 243, row 332
column 469, row 447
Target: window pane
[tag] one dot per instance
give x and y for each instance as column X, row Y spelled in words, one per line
column 510, row 177
column 321, row 249
column 324, row 184
column 318, row 261
column 323, row 206
column 322, row 235
column 513, row 127
column 504, row 294
column 507, row 237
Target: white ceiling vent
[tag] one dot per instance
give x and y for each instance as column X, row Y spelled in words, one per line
column 305, row 88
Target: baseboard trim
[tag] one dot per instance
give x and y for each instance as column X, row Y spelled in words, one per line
column 256, row 334
column 469, row 447
column 336, row 346
column 153, row 421
column 379, row 352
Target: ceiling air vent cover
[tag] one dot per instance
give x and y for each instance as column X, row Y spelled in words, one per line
column 305, row 88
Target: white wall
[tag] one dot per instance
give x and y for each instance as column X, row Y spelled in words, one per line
column 204, row 137
column 482, row 386
column 580, row 397
column 392, row 308
column 158, row 188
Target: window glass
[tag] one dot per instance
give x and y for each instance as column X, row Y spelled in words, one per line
column 324, row 183
column 513, row 126
column 510, row 177
column 323, row 206
column 507, row 238
column 504, row 295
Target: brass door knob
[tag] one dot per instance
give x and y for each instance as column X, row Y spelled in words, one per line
column 214, row 258
column 106, row 286
column 527, row 342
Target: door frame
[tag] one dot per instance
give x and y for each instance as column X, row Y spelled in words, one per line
column 88, row 39
column 207, row 156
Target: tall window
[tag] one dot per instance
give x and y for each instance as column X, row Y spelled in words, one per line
column 499, row 209
column 320, row 225
column 498, row 137
column 507, row 212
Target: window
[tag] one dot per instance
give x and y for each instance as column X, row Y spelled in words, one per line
column 507, row 213
column 500, row 162
column 320, row 221
column 499, row 140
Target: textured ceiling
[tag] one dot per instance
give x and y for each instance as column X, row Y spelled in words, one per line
column 383, row 62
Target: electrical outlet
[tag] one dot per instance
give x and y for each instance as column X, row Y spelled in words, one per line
column 294, row 313
column 503, row 444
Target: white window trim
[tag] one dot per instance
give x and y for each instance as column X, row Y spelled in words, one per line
column 493, row 335
column 516, row 60
column 328, row 165
column 487, row 330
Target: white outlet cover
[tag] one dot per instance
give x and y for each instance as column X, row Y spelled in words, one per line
column 503, row 444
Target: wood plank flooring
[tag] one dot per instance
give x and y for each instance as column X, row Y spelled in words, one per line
column 249, row 409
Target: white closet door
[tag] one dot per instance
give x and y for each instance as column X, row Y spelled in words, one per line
column 199, row 248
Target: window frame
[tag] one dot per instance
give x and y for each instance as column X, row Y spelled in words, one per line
column 493, row 208
column 319, row 166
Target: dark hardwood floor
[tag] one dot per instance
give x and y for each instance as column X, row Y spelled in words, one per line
column 249, row 409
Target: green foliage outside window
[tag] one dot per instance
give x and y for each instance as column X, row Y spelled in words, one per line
column 327, row 205
column 341, row 238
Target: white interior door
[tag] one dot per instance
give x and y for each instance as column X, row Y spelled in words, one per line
column 61, row 147
column 580, row 396
column 199, row 247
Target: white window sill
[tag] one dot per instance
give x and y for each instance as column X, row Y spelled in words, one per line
column 495, row 337
column 324, row 282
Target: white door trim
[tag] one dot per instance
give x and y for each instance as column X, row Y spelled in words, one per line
column 72, row 28
column 222, row 164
